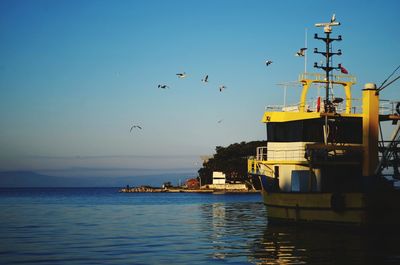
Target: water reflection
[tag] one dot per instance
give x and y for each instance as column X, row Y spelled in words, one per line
column 173, row 229
column 232, row 228
column 289, row 244
column 240, row 233
column 276, row 247
column 218, row 229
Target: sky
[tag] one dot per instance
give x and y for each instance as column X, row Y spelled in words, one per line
column 76, row 75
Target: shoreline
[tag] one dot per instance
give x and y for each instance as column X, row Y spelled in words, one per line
column 181, row 190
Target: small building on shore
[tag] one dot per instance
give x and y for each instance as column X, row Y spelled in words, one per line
column 219, row 178
column 192, row 184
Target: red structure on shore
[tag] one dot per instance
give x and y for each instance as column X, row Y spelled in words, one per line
column 192, row 183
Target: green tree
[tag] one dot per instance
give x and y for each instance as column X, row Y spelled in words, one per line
column 231, row 160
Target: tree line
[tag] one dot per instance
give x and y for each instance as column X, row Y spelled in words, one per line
column 232, row 161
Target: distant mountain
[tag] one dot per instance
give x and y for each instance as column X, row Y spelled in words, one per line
column 33, row 179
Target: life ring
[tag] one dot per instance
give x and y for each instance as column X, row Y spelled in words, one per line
column 318, row 104
column 398, row 108
column 337, row 202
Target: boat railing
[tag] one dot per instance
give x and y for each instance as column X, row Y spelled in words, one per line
column 286, row 154
column 303, row 151
column 261, row 153
column 333, row 78
column 295, row 107
column 252, row 165
column 311, row 106
column 388, row 107
column 283, row 152
column 385, row 107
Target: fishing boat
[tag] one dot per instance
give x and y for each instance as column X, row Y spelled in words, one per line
column 325, row 161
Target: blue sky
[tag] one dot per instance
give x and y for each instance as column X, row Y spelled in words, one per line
column 76, row 75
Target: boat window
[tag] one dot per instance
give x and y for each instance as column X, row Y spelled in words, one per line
column 343, row 130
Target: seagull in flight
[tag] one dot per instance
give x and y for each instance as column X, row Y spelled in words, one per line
column 219, row 121
column 135, row 126
column 333, row 19
column 205, row 80
column 222, row 87
column 181, row 75
column 268, row 62
column 301, row 52
column 163, row 86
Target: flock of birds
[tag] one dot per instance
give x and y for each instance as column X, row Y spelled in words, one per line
column 180, row 76
column 184, row 75
column 299, row 53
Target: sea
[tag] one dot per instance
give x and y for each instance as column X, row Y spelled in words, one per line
column 103, row 226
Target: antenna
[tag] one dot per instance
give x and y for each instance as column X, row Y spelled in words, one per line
column 328, row 54
column 328, row 26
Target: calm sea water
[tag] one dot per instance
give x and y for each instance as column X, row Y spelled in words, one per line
column 102, row 226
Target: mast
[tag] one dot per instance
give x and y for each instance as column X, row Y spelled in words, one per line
column 328, row 106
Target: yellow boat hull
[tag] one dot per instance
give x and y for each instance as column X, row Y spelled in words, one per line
column 344, row 208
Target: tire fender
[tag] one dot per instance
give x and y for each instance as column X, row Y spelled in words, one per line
column 337, row 202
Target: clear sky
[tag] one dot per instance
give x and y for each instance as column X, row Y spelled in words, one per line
column 76, row 75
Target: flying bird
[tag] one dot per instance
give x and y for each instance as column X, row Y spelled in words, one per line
column 205, row 80
column 163, row 86
column 219, row 121
column 268, row 62
column 135, row 126
column 181, row 75
column 222, row 87
column 333, row 19
column 301, row 52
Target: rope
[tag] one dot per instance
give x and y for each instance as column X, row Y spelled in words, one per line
column 381, row 87
column 391, row 82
